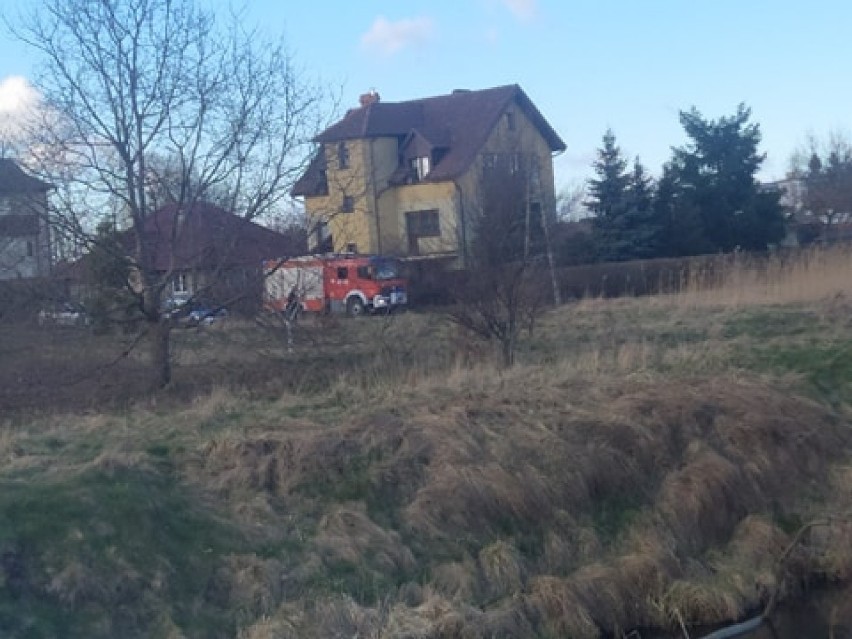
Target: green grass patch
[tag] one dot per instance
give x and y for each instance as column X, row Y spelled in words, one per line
column 826, row 367
column 770, row 323
column 358, row 580
column 350, row 481
column 108, row 540
column 612, row 515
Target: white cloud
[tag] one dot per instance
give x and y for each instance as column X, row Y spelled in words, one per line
column 388, row 37
column 17, row 96
column 522, row 9
column 19, row 103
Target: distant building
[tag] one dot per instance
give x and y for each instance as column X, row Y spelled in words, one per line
column 401, row 178
column 792, row 190
column 197, row 251
column 803, row 225
column 202, row 248
column 24, row 231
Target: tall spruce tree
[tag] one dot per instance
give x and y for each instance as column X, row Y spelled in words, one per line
column 625, row 225
column 681, row 230
column 641, row 227
column 716, row 185
column 608, row 198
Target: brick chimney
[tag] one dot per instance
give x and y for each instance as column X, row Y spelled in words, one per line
column 366, row 99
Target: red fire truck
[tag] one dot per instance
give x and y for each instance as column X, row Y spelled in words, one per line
column 354, row 284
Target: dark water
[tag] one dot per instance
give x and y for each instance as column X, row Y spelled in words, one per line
column 824, row 616
column 806, row 621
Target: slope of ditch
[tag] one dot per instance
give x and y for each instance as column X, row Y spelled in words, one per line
column 531, row 503
column 537, row 506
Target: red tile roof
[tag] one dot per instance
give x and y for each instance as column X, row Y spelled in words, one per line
column 459, row 123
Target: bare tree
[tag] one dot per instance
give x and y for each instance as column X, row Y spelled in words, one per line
column 505, row 285
column 826, row 171
column 569, row 203
column 126, row 83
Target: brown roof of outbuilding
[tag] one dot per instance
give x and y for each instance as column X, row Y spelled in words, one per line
column 204, row 236
column 13, row 179
column 17, row 225
column 459, row 122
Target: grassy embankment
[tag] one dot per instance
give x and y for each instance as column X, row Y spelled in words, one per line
column 648, row 459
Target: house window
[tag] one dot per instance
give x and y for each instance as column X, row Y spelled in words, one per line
column 323, row 242
column 514, row 163
column 535, row 175
column 489, row 161
column 351, row 247
column 420, row 167
column 421, row 224
column 510, row 121
column 30, row 249
column 180, row 283
column 536, row 226
column 342, row 273
column 322, row 183
column 342, row 155
column 348, row 204
column 5, row 206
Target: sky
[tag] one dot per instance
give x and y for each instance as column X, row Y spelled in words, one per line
column 588, row 65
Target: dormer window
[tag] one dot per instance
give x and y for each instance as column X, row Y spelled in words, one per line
column 342, row 155
column 420, row 167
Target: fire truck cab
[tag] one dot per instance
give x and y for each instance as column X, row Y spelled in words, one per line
column 354, row 284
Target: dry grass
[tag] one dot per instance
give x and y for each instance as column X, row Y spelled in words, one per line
column 806, row 276
column 646, row 461
column 600, row 519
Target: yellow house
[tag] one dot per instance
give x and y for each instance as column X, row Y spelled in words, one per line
column 398, row 178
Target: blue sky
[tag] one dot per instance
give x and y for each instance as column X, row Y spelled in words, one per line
column 587, row 64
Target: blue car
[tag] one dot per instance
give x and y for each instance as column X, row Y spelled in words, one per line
column 206, row 315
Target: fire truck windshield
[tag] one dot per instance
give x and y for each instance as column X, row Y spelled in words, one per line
column 385, row 270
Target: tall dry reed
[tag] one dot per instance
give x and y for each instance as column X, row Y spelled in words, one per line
column 785, row 278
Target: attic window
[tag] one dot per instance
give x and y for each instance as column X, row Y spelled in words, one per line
column 420, row 167
column 510, row 121
column 342, row 155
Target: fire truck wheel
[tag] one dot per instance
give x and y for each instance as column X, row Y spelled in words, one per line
column 354, row 307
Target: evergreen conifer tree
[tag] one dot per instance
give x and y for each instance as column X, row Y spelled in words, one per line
column 716, row 185
column 625, row 224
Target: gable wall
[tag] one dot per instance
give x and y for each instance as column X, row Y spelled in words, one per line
column 24, row 254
